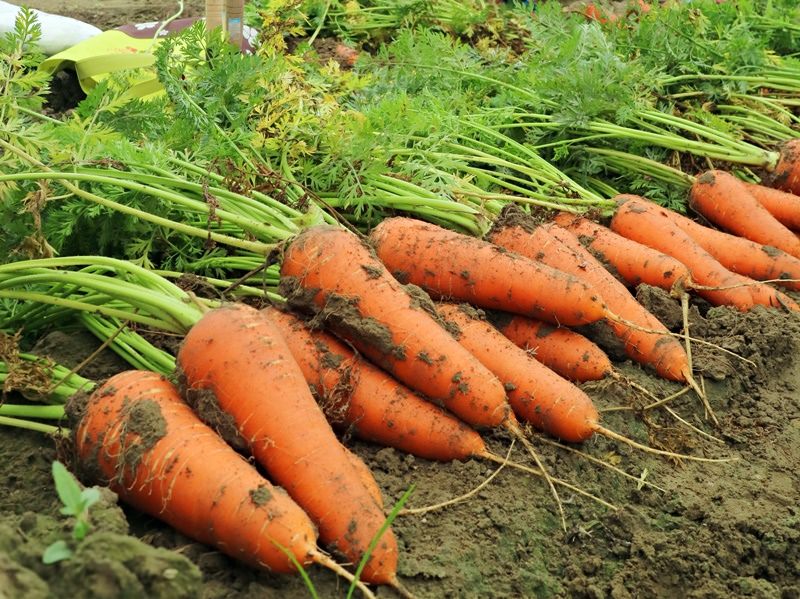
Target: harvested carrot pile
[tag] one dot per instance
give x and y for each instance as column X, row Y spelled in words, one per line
column 424, row 299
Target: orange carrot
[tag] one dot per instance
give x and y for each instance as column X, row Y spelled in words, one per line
column 137, row 435
column 633, row 262
column 559, row 248
column 742, row 256
column 330, row 272
column 782, row 205
column 238, row 358
column 724, row 200
column 368, row 402
column 365, row 474
column 567, row 353
column 537, row 394
column 450, row 265
column 787, row 172
column 649, row 224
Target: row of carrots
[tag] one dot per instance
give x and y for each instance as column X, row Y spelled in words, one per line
column 406, row 372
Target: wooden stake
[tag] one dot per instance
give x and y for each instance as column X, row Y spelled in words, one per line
column 235, row 17
column 215, row 14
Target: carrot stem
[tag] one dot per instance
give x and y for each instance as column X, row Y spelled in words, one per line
column 34, row 426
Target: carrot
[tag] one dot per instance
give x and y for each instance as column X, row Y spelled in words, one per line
column 372, row 405
column 559, row 248
column 329, row 272
column 742, row 256
column 724, row 200
column 567, row 353
column 633, row 262
column 135, row 434
column 786, row 175
column 652, row 225
column 450, row 265
column 365, row 474
column 238, row 358
column 536, row 393
column 782, row 205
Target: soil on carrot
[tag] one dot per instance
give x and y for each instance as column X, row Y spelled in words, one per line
column 716, row 530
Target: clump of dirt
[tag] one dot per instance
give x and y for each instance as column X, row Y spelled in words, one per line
column 206, row 404
column 342, row 314
column 107, row 563
column 661, row 305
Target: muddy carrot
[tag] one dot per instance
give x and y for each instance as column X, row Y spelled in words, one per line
column 136, row 434
column 536, row 393
column 652, row 225
column 368, row 402
column 782, row 205
column 453, row 266
column 742, row 256
column 329, row 272
column 786, row 175
column 633, row 262
column 236, row 357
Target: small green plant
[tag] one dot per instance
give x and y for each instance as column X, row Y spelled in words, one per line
column 76, row 502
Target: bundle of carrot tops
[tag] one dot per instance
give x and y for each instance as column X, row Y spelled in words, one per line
column 416, row 290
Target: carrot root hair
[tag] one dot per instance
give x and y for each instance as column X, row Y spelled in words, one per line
column 492, row 457
column 461, row 498
column 512, row 425
column 328, row 562
column 647, row 449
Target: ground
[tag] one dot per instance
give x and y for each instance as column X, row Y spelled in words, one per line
column 113, row 13
column 716, row 530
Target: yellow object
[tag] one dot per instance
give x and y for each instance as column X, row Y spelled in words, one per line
column 98, row 57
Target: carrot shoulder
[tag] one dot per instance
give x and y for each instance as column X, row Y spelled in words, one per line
column 329, row 272
column 724, row 200
column 633, row 262
column 369, row 403
column 567, row 353
column 537, row 394
column 560, row 248
column 450, row 265
column 136, row 434
column 239, row 359
column 786, row 175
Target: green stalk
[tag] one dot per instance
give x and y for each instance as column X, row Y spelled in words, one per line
column 624, row 162
column 242, row 204
column 26, row 411
column 34, row 426
column 256, row 228
column 129, row 345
